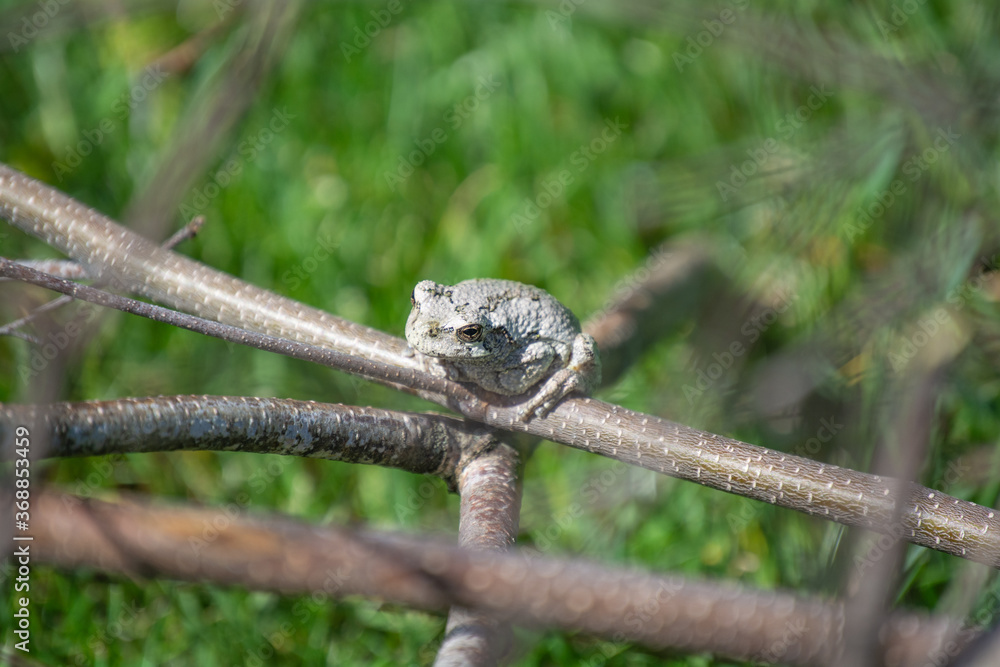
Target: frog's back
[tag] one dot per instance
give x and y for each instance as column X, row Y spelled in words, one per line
column 526, row 311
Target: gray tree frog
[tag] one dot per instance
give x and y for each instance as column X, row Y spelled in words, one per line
column 505, row 337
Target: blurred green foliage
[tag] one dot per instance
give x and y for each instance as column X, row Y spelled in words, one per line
column 558, row 145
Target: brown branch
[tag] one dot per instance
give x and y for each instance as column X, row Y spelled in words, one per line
column 67, row 269
column 984, row 651
column 623, row 605
column 877, row 570
column 928, row 517
column 490, row 512
column 418, row 443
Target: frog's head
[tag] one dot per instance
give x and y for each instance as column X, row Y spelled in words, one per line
column 442, row 326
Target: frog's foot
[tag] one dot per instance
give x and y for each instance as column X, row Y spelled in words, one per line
column 562, row 382
column 582, row 374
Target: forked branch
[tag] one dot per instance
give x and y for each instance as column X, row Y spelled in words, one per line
column 901, row 509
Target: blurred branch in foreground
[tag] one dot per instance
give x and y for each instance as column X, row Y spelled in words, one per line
column 275, row 554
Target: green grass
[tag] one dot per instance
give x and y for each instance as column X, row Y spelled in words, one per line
column 315, row 213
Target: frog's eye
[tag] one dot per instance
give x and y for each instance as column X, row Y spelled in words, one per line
column 470, row 333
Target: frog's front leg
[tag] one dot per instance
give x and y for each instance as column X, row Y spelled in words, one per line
column 525, row 370
column 581, row 374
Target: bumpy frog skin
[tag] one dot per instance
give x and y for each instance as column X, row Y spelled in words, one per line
column 505, row 337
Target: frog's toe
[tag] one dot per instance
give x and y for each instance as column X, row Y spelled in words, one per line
column 538, row 406
column 553, row 390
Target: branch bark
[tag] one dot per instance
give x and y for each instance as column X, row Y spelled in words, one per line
column 418, row 443
column 490, row 513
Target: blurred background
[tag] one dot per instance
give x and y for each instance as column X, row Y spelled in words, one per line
column 835, row 166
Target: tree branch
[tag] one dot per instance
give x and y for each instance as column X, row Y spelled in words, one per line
column 490, row 513
column 623, row 605
column 418, row 443
column 929, row 518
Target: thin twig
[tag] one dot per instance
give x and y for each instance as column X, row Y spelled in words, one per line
column 401, row 378
column 69, row 269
